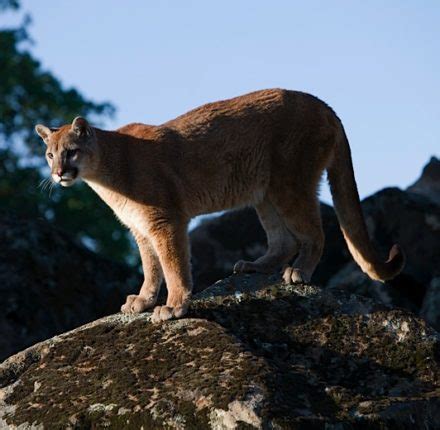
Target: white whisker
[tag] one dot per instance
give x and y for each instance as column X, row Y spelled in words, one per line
column 51, row 187
column 46, row 184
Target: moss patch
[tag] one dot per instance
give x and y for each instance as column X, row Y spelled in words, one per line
column 157, row 373
column 294, row 357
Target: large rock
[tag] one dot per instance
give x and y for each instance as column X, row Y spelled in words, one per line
column 429, row 182
column 251, row 354
column 411, row 218
column 219, row 242
column 413, row 221
column 50, row 284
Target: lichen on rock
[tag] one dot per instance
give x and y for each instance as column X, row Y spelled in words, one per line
column 252, row 353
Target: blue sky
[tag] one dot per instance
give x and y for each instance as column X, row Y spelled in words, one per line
column 376, row 63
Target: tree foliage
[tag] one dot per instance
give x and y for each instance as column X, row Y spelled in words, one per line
column 30, row 95
column 9, row 4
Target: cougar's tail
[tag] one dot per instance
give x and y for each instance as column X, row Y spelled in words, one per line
column 352, row 222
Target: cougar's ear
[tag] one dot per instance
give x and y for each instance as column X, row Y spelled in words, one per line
column 44, row 132
column 81, row 127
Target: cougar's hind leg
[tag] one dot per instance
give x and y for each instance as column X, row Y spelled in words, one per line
column 282, row 245
column 304, row 221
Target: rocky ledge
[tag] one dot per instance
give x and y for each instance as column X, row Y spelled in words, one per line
column 252, row 353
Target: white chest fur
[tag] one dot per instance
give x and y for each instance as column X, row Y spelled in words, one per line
column 129, row 212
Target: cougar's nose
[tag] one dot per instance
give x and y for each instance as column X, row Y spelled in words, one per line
column 60, row 172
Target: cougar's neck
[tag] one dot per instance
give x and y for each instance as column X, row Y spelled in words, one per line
column 110, row 163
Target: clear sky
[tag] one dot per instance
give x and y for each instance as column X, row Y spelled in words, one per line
column 377, row 63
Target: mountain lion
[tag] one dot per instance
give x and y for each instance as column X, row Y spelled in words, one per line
column 267, row 149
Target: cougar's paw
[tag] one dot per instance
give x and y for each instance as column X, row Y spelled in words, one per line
column 163, row 313
column 294, row 276
column 243, row 267
column 253, row 267
column 136, row 304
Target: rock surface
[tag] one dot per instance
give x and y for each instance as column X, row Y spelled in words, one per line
column 251, row 354
column 49, row 284
column 429, row 182
column 413, row 221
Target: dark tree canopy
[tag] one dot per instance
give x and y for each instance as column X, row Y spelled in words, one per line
column 30, row 95
column 9, row 4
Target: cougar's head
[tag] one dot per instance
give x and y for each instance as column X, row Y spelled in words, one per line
column 70, row 150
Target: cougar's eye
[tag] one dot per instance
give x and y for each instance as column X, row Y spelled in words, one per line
column 50, row 155
column 72, row 152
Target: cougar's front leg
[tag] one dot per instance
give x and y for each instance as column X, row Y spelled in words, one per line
column 171, row 242
column 153, row 277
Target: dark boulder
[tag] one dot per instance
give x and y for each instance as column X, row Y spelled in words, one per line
column 50, row 284
column 413, row 221
column 428, row 184
column 219, row 242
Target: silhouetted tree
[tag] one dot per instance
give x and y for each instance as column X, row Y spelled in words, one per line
column 30, row 95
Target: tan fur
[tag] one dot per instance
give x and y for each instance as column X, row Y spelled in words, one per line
column 267, row 149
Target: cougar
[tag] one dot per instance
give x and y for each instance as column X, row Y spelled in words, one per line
column 267, row 149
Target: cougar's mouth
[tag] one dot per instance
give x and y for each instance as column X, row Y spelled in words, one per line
column 68, row 178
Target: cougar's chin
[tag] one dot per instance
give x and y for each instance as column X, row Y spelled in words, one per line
column 67, row 182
